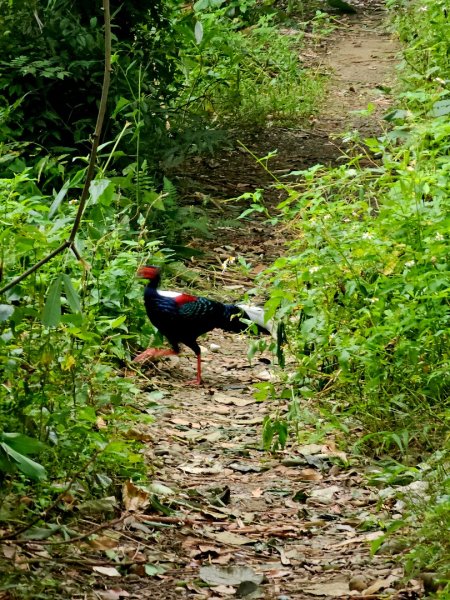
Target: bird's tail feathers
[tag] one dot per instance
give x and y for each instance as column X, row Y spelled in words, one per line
column 239, row 317
column 257, row 315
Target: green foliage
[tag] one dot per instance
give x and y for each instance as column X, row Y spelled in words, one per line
column 425, row 28
column 364, row 287
column 365, row 284
column 251, row 76
column 178, row 72
column 51, row 85
column 275, row 433
column 422, row 495
column 430, row 542
column 64, row 333
column 14, row 448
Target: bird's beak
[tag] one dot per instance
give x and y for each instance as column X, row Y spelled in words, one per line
column 148, row 272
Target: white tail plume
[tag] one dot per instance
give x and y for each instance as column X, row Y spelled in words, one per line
column 256, row 314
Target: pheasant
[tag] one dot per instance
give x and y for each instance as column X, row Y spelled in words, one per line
column 182, row 318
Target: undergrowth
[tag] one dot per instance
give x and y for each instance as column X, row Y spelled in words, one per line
column 247, row 77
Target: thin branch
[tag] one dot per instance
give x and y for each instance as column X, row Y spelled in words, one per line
column 35, row 267
column 99, row 124
column 92, row 160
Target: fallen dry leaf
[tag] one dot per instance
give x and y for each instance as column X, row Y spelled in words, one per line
column 226, row 576
column 106, row 541
column 196, row 469
column 310, row 449
column 380, row 584
column 233, row 539
column 213, row 437
column 245, row 467
column 367, row 537
column 205, row 549
column 324, row 495
column 335, row 589
column 224, row 590
column 223, row 559
column 277, row 573
column 265, row 375
column 113, row 594
column 310, row 475
column 100, row 423
column 185, row 422
column 8, row 551
column 235, row 400
column 134, row 497
column 99, row 506
column 283, row 558
column 109, row 571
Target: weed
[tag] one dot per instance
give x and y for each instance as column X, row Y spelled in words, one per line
column 364, row 287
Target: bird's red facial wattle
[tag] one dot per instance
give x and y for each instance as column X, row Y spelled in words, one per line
column 148, row 272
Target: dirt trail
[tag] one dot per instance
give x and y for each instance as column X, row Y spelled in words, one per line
column 303, row 518
column 363, row 62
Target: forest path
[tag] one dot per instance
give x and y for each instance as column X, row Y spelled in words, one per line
column 296, row 525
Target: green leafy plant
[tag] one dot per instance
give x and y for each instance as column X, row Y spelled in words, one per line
column 365, row 283
column 63, row 333
column 15, row 449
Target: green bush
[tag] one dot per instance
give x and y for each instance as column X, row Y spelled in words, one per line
column 364, row 285
column 52, row 63
column 66, row 331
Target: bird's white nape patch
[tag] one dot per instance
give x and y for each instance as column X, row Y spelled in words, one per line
column 168, row 294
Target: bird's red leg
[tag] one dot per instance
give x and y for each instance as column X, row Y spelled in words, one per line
column 198, row 380
column 199, row 369
column 153, row 353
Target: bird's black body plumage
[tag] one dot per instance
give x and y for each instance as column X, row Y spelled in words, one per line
column 184, row 323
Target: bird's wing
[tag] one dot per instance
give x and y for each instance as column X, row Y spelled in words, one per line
column 194, row 316
column 185, row 299
column 179, row 297
column 200, row 310
column 185, row 305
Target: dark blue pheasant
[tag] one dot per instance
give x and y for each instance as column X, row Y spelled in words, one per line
column 182, row 318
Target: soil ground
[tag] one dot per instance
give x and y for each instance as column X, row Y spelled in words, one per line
column 292, row 526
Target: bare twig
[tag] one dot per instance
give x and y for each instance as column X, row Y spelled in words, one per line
column 70, row 243
column 155, row 519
